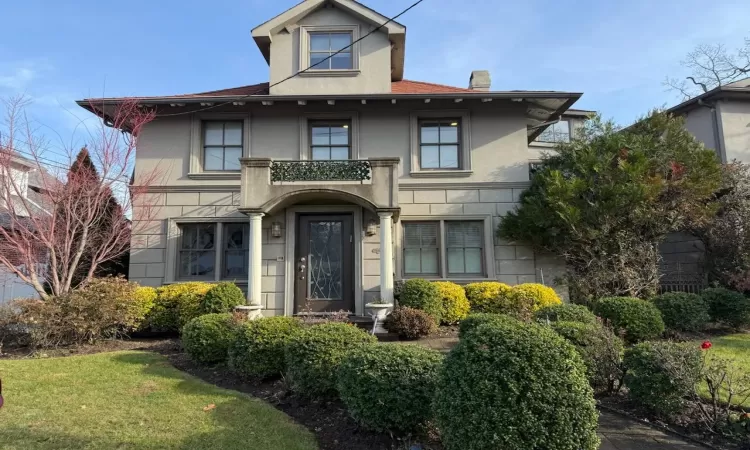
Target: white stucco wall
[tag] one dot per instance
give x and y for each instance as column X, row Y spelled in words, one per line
column 735, row 123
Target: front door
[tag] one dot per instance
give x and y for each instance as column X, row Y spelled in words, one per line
column 324, row 263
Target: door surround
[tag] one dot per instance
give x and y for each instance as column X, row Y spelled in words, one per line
column 291, row 245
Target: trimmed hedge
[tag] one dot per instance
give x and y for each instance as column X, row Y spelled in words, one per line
column 640, row 319
column 409, row 323
column 661, row 374
column 144, row 299
column 727, row 307
column 258, row 346
column 533, row 295
column 422, row 294
column 487, row 296
column 566, row 312
column 177, row 304
column 222, row 298
column 473, row 321
column 455, row 304
column 389, row 387
column 313, row 355
column 682, row 311
column 511, row 385
column 207, row 338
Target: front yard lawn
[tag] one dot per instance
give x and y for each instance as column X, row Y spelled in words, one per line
column 132, row 400
column 735, row 347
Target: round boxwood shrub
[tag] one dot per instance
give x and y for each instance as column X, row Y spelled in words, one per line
column 222, row 298
column 455, row 303
column 727, row 307
column 176, row 304
column 600, row 349
column 487, row 296
column 661, row 374
column 682, row 311
column 206, row 338
column 258, row 346
column 474, row 320
column 389, row 387
column 409, row 323
column 566, row 312
column 512, row 385
column 422, row 294
column 534, row 294
column 640, row 319
column 313, row 355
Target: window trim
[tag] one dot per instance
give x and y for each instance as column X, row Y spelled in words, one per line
column 196, row 170
column 223, row 145
column 464, row 150
column 303, row 62
column 312, row 123
column 304, row 131
column 245, row 249
column 458, row 142
column 439, row 249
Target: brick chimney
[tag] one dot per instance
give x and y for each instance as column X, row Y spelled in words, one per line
column 480, row 80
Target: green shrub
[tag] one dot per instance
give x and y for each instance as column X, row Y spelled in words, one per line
column 144, row 299
column 512, row 385
column 566, row 312
column 600, row 349
column 176, row 304
column 258, row 346
column 422, row 294
column 682, row 311
column 455, row 303
column 727, row 307
column 474, row 320
column 487, row 296
column 222, row 298
column 313, row 355
column 410, row 323
column 660, row 374
column 206, row 338
column 640, row 319
column 389, row 387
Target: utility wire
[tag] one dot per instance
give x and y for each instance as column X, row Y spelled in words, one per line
column 301, row 71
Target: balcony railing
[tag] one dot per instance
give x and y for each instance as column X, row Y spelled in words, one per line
column 334, row 170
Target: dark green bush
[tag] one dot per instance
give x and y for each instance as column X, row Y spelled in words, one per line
column 516, row 386
column 600, row 349
column 682, row 311
column 567, row 312
column 206, row 338
column 258, row 346
column 727, row 307
column 422, row 294
column 660, row 374
column 472, row 321
column 313, row 356
column 222, row 298
column 410, row 323
column 389, row 387
column 639, row 319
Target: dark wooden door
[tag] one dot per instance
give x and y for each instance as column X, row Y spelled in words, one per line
column 324, row 263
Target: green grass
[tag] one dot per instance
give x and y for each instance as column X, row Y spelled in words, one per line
column 132, row 400
column 735, row 347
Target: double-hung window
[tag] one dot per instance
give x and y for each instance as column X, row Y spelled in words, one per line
column 444, row 249
column 197, row 251
column 440, row 143
column 324, row 47
column 199, row 244
column 235, row 259
column 330, row 139
column 222, row 145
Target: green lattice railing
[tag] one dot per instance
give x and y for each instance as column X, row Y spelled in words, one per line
column 337, row 170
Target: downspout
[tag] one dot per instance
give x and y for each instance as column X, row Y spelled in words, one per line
column 718, row 142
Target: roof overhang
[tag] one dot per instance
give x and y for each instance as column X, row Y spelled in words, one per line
column 721, row 92
column 263, row 34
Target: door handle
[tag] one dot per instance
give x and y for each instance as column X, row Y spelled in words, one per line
column 302, row 267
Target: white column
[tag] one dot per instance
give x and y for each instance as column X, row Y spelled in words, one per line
column 255, row 265
column 386, row 256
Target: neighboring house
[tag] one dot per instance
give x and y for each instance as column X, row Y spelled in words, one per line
column 317, row 191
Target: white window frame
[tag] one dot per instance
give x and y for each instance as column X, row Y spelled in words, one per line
column 489, row 255
column 304, row 131
column 464, row 169
column 196, row 170
column 304, row 50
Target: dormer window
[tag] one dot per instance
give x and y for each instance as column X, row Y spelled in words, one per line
column 323, row 48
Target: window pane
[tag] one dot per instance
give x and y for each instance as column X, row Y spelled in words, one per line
column 473, row 260
column 189, row 237
column 319, row 42
column 340, row 40
column 339, row 135
column 213, row 158
column 235, row 264
column 233, row 133
column 320, row 135
column 411, row 235
column 449, row 156
column 232, row 157
column 213, row 133
column 318, row 61
column 339, row 152
column 205, row 237
column 455, row 260
column 411, row 260
column 428, row 234
column 429, row 261
column 204, row 264
column 473, row 234
column 430, row 157
column 236, row 234
column 341, row 61
column 430, row 134
column 449, row 134
column 321, row 153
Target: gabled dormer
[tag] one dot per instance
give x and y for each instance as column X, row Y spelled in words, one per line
column 308, row 33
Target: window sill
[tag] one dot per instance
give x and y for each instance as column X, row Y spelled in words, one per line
column 451, row 279
column 214, row 176
column 330, row 73
column 544, row 144
column 441, row 173
column 206, row 280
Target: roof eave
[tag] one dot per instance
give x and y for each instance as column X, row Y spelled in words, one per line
column 714, row 94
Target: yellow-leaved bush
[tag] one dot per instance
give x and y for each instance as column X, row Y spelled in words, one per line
column 528, row 298
column 487, row 296
column 176, row 304
column 144, row 299
column 455, row 304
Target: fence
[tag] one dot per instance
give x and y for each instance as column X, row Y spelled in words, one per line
column 682, row 277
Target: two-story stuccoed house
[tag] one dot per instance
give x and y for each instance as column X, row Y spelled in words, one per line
column 315, row 190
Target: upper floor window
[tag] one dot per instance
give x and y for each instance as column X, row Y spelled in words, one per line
column 439, row 143
column 323, row 48
column 330, row 140
column 555, row 133
column 222, row 145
